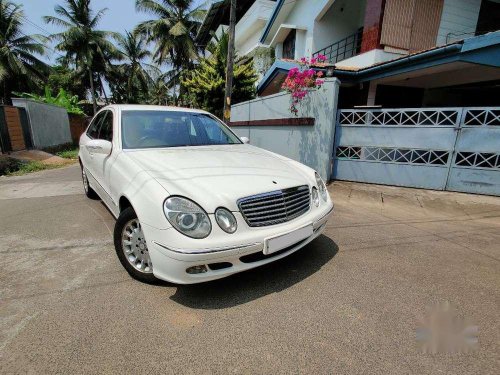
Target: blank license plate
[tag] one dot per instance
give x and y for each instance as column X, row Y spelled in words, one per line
column 281, row 242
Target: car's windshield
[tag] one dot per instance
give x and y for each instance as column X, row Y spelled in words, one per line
column 154, row 129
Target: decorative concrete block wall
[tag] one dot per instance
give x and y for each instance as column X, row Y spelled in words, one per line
column 307, row 137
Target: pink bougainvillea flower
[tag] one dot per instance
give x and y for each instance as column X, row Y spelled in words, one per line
column 293, row 72
column 301, row 80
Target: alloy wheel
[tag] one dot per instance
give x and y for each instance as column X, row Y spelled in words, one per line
column 135, row 248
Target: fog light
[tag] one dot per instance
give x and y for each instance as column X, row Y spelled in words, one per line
column 197, row 269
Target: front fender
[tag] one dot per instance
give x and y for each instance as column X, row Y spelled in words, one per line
column 146, row 196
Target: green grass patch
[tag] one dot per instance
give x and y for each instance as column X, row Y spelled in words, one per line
column 66, row 151
column 34, row 166
column 68, row 154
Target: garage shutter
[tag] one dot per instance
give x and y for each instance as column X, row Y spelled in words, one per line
column 411, row 25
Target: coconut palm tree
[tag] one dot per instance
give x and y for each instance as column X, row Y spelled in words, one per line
column 132, row 47
column 159, row 86
column 86, row 46
column 19, row 67
column 173, row 30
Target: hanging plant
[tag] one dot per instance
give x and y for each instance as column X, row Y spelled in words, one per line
column 301, row 80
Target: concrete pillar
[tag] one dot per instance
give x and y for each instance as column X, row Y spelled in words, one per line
column 372, row 92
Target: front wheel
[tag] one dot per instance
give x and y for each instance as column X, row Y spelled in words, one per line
column 131, row 247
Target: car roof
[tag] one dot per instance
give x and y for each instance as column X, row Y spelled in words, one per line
column 141, row 107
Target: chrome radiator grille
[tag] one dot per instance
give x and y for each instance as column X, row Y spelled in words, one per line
column 275, row 207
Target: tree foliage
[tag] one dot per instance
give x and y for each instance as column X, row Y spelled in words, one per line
column 62, row 99
column 129, row 81
column 86, row 47
column 205, row 84
column 20, row 68
column 173, row 30
column 70, row 80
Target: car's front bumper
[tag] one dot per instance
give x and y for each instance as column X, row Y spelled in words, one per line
column 170, row 261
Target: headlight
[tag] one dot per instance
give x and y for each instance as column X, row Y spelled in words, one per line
column 321, row 186
column 187, row 217
column 315, row 196
column 226, row 220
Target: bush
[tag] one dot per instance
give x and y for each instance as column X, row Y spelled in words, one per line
column 62, row 99
column 9, row 165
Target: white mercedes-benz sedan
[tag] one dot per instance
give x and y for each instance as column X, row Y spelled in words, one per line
column 194, row 202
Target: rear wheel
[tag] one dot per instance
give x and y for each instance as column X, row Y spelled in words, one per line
column 131, row 247
column 89, row 192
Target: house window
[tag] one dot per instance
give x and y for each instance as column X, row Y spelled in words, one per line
column 289, row 45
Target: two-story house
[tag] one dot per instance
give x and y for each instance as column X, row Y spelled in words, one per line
column 373, row 46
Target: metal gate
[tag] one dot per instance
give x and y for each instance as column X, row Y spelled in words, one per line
column 15, row 130
column 434, row 148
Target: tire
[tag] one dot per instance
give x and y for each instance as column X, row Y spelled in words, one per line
column 89, row 192
column 133, row 256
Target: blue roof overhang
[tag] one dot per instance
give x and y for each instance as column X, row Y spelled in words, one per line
column 271, row 20
column 482, row 50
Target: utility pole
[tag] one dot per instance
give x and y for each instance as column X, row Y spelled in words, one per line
column 230, row 63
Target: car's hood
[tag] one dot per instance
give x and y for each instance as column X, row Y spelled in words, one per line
column 216, row 176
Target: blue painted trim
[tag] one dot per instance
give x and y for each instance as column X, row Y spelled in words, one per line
column 481, row 41
column 269, row 24
column 279, row 66
column 483, row 49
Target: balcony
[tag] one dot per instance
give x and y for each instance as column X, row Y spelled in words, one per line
column 342, row 49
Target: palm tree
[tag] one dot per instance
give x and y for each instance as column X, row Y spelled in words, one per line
column 173, row 31
column 19, row 67
column 133, row 50
column 159, row 86
column 85, row 46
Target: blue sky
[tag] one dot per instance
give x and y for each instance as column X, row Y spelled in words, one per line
column 121, row 16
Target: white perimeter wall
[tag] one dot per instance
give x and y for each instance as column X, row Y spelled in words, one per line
column 311, row 145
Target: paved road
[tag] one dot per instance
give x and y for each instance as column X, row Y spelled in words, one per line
column 348, row 303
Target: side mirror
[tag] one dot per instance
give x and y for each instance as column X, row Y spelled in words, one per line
column 99, row 146
column 245, row 140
